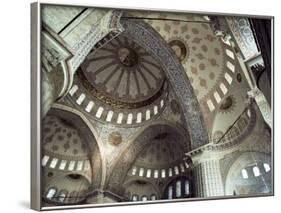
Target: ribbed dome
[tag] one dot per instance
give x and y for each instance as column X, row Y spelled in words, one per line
column 123, row 71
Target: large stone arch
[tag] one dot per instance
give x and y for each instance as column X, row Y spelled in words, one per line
column 127, row 158
column 144, row 35
column 98, row 164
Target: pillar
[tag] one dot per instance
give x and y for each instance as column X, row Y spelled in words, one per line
column 207, row 179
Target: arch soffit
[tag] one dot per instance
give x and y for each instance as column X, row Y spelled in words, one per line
column 140, row 140
column 144, row 35
column 92, row 130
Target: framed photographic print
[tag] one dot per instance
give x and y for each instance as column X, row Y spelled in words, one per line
column 133, row 106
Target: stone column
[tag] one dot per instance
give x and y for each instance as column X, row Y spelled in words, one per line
column 207, row 179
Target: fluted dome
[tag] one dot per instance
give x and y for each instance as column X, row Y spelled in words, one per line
column 123, row 71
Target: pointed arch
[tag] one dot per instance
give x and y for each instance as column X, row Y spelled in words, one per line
column 144, row 35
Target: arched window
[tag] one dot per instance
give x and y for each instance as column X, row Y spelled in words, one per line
column 163, row 173
column 182, row 167
column 45, row 160
column 244, row 173
column 130, row 118
column 141, row 172
column 186, row 187
column 71, row 165
column 155, row 173
column 99, row 112
column 147, row 114
column 170, row 172
column 62, row 164
column 176, row 170
column 178, row 188
column 148, row 173
column 109, row 116
column 61, row 197
column 135, row 198
column 266, row 167
column 54, row 163
column 144, row 198
column 120, row 118
column 256, row 171
column 153, row 197
column 51, row 193
column 170, row 192
column 134, row 170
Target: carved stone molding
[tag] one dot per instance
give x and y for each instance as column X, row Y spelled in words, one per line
column 148, row 38
column 54, row 54
column 108, row 24
column 242, row 33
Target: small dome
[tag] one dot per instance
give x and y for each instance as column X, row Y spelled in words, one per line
column 163, row 151
column 62, row 138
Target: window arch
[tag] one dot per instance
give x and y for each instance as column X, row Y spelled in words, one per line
column 266, row 167
column 178, row 188
column 170, row 172
column 51, row 193
column 186, row 187
column 176, row 170
column 256, row 171
column 148, row 173
column 248, row 176
column 244, row 173
column 141, row 172
column 155, row 173
column 163, row 173
column 144, row 198
column 153, row 197
column 134, row 170
column 62, row 196
column 135, row 198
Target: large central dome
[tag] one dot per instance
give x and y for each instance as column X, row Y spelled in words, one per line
column 123, row 71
